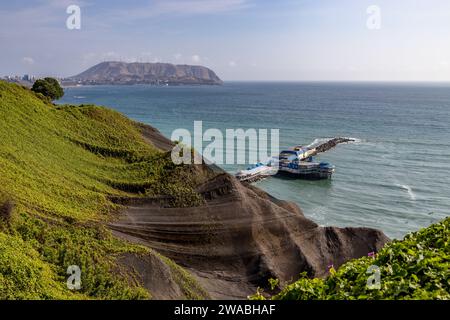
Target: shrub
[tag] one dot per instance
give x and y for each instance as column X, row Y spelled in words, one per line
column 49, row 87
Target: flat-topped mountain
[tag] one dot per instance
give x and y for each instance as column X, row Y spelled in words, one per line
column 113, row 72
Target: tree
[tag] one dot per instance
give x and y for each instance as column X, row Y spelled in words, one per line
column 49, row 87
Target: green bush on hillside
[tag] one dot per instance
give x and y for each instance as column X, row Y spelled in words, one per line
column 48, row 87
column 417, row 267
column 60, row 167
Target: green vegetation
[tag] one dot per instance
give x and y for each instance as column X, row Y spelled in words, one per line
column 48, row 88
column 61, row 166
column 59, row 169
column 417, row 267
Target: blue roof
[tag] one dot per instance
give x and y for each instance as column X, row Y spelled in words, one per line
column 289, row 151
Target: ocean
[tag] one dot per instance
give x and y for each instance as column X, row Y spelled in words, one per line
column 394, row 177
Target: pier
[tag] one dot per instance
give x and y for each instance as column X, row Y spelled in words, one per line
column 296, row 162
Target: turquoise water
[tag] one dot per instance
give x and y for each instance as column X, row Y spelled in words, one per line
column 396, row 177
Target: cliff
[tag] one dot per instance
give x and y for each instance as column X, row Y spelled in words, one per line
column 86, row 186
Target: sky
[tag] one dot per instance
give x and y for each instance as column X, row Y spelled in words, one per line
column 283, row 40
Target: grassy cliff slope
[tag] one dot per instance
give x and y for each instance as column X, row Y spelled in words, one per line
column 59, row 169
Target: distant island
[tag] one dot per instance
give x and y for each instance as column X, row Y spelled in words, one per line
column 114, row 72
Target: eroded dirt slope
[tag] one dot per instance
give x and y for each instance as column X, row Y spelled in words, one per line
column 241, row 237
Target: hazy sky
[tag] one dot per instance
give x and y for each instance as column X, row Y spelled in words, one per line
column 239, row 39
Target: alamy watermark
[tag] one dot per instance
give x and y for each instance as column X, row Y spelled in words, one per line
column 74, row 279
column 374, row 20
column 236, row 146
column 73, row 22
column 373, row 271
column 374, row 280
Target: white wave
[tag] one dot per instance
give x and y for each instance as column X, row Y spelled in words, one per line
column 79, row 97
column 319, row 141
column 409, row 190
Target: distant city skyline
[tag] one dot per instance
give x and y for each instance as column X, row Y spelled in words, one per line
column 286, row 40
